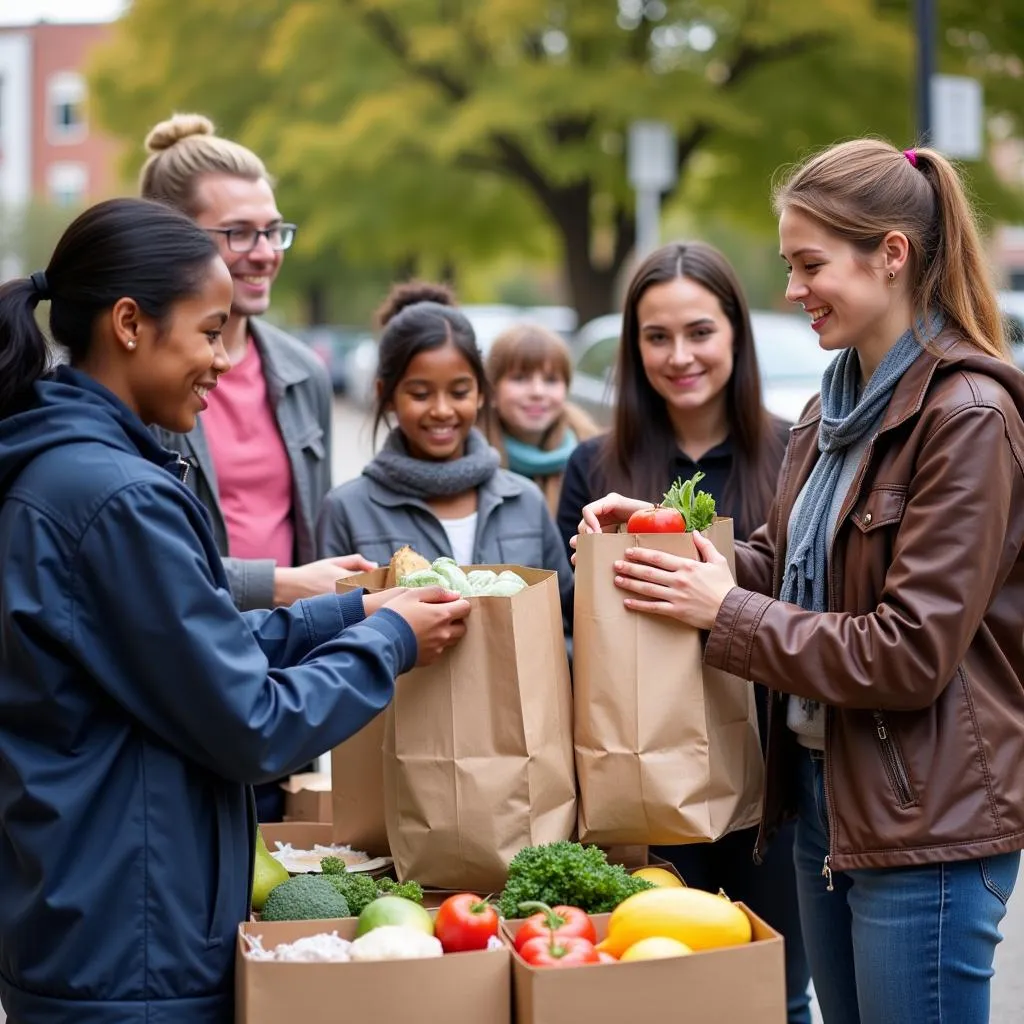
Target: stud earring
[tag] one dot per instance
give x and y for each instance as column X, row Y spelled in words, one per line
column 131, row 345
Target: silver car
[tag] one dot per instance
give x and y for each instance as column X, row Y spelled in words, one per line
column 788, row 354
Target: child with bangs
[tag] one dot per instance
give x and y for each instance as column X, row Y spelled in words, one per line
column 530, row 421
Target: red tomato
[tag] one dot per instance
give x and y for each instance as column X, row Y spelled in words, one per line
column 554, row 922
column 657, row 520
column 465, row 922
column 565, row 952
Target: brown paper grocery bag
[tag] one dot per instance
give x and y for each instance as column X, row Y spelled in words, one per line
column 667, row 748
column 357, row 768
column 478, row 758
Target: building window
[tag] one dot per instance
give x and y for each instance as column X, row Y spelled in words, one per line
column 66, row 105
column 67, row 184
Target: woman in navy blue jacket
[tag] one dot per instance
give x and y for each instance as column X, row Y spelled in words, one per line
column 136, row 703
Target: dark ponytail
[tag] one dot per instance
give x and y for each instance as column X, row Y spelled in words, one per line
column 24, row 353
column 121, row 248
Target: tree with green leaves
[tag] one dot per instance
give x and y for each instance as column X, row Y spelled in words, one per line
column 461, row 129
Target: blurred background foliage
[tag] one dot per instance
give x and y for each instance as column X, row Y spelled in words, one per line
column 484, row 140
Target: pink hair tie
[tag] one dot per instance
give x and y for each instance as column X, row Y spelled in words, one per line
column 911, row 155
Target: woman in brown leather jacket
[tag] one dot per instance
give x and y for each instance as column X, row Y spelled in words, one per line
column 883, row 601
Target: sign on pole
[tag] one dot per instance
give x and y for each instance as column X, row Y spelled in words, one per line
column 652, row 171
column 959, row 119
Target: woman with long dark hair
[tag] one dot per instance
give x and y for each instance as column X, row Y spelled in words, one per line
column 689, row 400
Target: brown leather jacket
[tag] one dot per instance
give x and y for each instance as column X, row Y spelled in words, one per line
column 920, row 658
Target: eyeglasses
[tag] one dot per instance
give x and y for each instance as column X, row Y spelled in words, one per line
column 280, row 237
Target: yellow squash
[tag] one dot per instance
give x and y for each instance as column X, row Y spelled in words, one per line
column 655, row 948
column 699, row 919
column 658, row 876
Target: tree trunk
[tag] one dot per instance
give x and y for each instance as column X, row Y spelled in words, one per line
column 592, row 287
column 316, row 304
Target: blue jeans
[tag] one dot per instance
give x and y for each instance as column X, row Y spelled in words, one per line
column 897, row 945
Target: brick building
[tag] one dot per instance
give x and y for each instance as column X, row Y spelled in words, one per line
column 49, row 149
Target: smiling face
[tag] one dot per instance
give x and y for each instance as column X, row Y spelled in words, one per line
column 172, row 365
column 843, row 290
column 226, row 201
column 436, row 403
column 529, row 402
column 686, row 346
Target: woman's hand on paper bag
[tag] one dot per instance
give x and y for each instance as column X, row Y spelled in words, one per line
column 605, row 515
column 437, row 617
column 685, row 589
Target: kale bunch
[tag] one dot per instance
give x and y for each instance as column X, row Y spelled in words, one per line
column 568, row 874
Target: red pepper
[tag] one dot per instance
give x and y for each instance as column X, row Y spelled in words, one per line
column 554, row 922
column 549, row 951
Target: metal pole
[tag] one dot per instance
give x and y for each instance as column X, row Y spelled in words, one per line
column 924, row 18
column 648, row 221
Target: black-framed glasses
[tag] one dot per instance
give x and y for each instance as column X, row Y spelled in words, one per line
column 280, row 237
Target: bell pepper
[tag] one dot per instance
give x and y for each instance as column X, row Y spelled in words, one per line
column 548, row 951
column 554, row 922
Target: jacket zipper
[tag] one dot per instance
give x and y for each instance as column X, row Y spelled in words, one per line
column 893, row 764
column 844, row 514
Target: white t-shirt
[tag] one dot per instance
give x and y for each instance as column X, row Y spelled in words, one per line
column 461, row 535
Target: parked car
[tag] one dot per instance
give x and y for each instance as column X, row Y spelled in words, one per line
column 333, row 343
column 488, row 322
column 788, row 354
column 1012, row 305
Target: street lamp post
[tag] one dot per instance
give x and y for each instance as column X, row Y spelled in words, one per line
column 924, row 18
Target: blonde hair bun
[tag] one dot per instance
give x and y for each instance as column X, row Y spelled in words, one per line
column 178, row 127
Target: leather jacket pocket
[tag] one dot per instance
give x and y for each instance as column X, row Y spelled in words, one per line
column 882, row 506
column 892, row 762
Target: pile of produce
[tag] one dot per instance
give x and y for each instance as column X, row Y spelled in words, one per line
column 683, row 509
column 394, row 928
column 663, row 922
column 476, row 583
column 568, row 874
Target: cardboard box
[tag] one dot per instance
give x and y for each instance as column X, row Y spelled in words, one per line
column 719, row 986
column 307, row 797
column 461, row 988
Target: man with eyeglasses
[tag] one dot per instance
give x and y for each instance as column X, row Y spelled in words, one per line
column 261, row 451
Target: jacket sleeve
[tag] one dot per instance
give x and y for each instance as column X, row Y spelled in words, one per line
column 167, row 645
column 251, row 582
column 287, row 635
column 945, row 568
column 575, row 493
column 755, row 558
column 333, row 536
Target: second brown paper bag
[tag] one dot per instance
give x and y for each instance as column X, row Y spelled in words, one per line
column 477, row 748
column 667, row 748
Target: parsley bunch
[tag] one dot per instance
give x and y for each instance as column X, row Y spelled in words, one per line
column 567, row 874
column 697, row 509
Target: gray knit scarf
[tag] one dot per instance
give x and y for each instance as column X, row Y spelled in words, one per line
column 404, row 474
column 844, row 421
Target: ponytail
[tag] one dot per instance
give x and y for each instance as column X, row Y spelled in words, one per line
column 957, row 279
column 862, row 190
column 24, row 353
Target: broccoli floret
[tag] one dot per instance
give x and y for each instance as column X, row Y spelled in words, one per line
column 333, row 866
column 568, row 874
column 408, row 890
column 305, row 898
column 358, row 889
